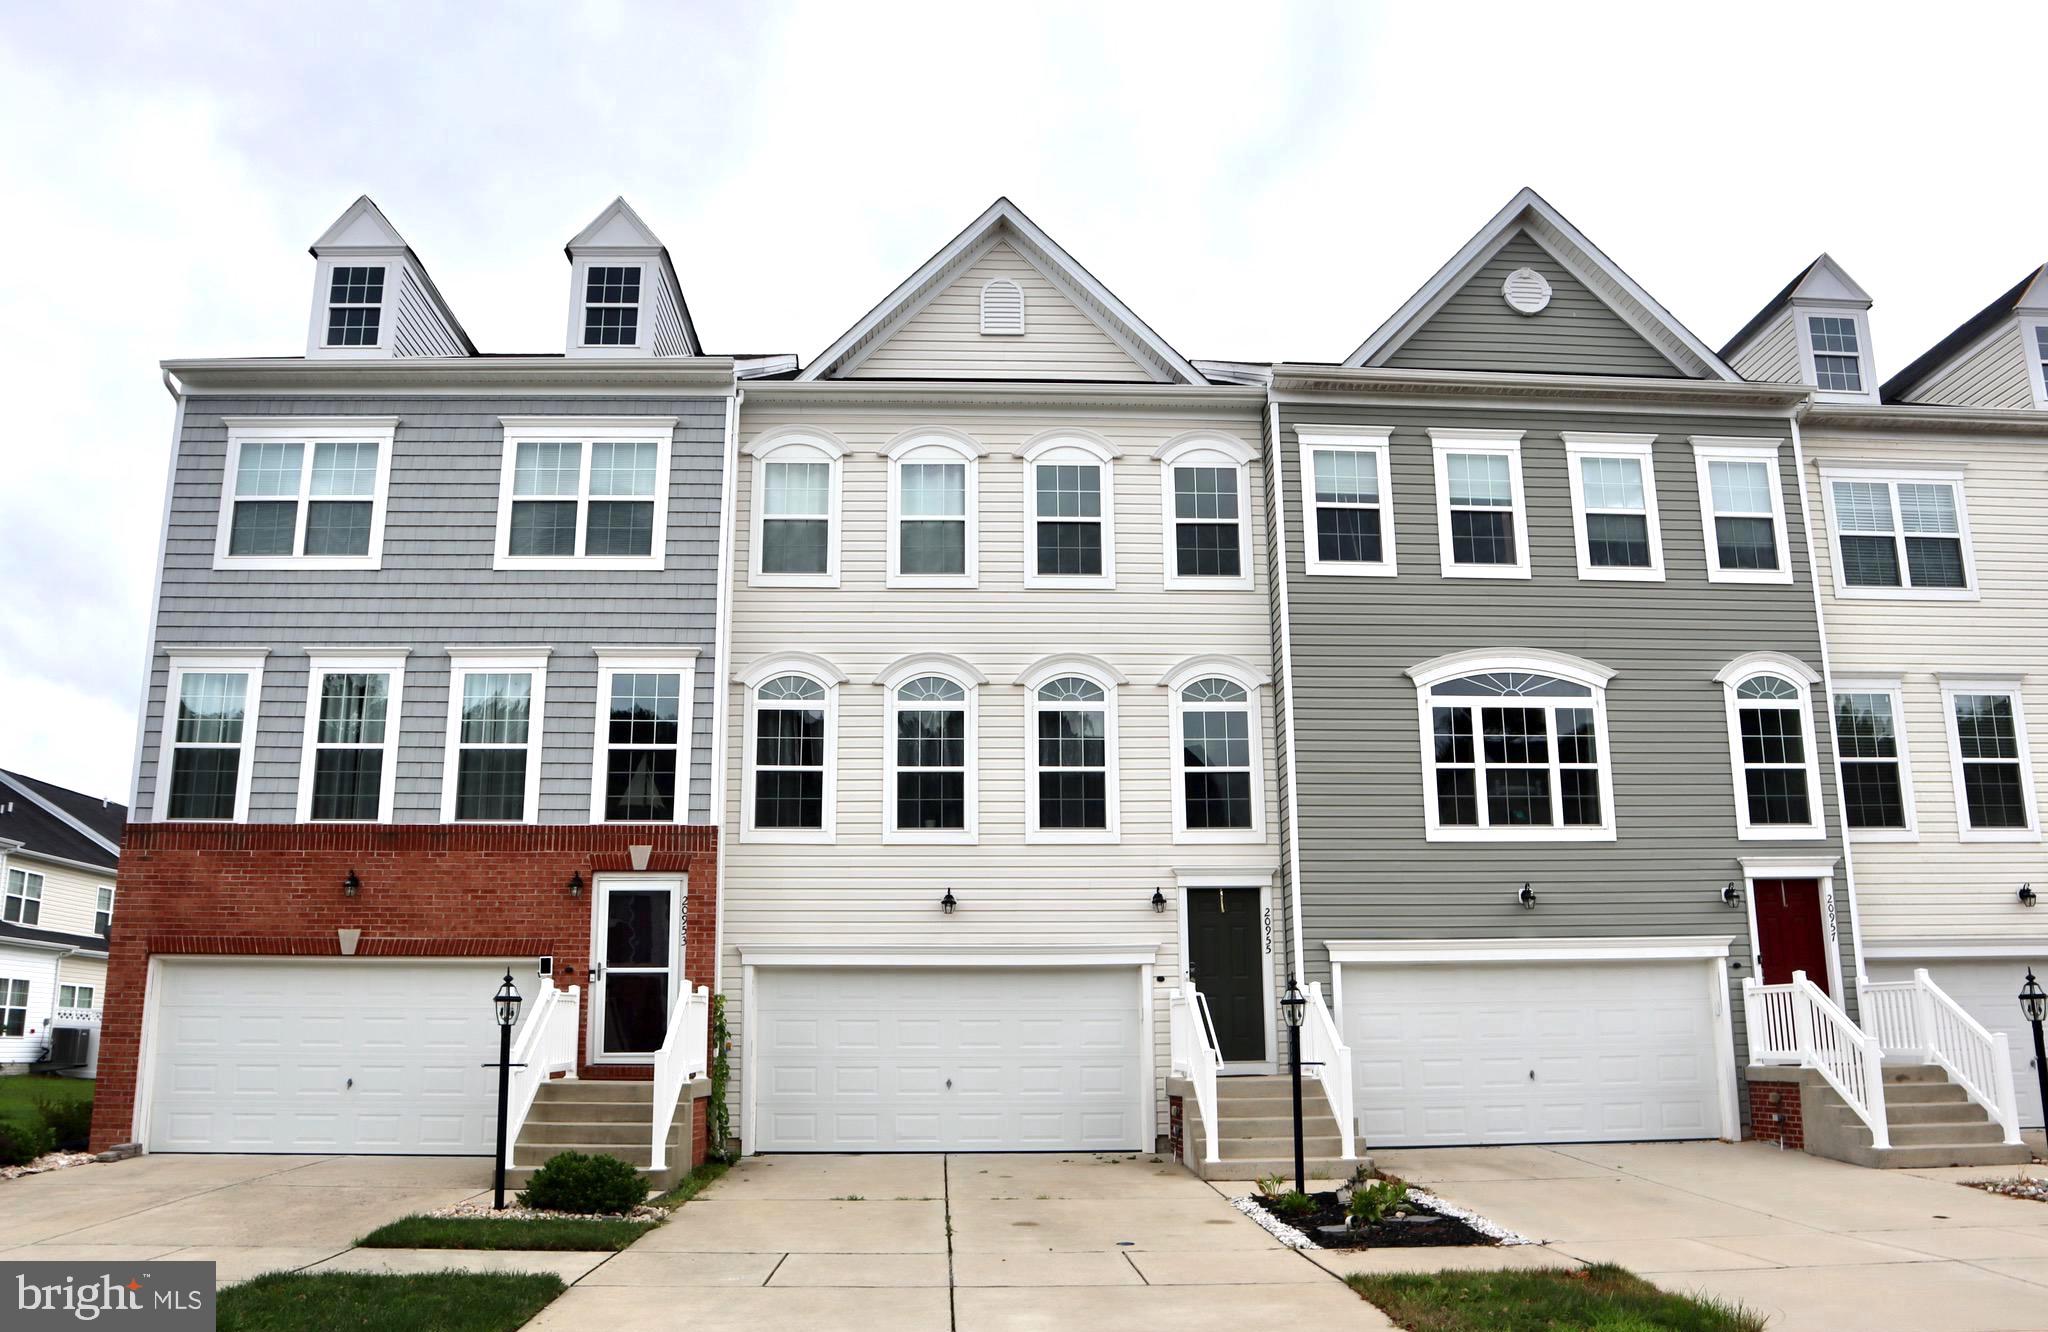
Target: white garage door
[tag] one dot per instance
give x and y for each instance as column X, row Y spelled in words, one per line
column 1989, row 991
column 918, row 1059
column 371, row 1057
column 1446, row 1054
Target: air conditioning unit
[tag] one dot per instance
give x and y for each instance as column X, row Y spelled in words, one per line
column 70, row 1047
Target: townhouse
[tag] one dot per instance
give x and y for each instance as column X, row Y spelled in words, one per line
column 1931, row 488
column 59, row 851
column 1002, row 759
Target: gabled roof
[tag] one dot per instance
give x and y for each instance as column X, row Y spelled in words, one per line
column 55, row 821
column 1004, row 220
column 2029, row 291
column 1528, row 212
column 363, row 226
column 618, row 227
column 1823, row 280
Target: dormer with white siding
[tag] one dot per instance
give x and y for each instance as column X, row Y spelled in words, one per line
column 1996, row 358
column 624, row 299
column 372, row 298
column 1816, row 331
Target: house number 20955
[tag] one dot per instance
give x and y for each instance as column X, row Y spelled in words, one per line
column 1266, row 925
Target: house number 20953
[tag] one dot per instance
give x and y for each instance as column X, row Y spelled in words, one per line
column 1266, row 925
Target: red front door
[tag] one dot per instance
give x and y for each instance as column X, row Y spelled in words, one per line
column 1790, row 933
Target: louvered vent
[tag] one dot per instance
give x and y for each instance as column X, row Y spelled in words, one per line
column 1526, row 290
column 1002, row 307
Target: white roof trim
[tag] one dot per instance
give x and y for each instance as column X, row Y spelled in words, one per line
column 361, row 226
column 641, row 236
column 1004, row 219
column 1835, row 284
column 112, row 848
column 1652, row 320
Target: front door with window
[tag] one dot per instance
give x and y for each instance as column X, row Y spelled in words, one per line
column 633, row 972
column 1227, row 962
column 1791, row 930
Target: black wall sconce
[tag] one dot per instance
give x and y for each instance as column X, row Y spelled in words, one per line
column 2027, row 897
column 1527, row 898
column 576, row 884
column 1729, row 896
column 1159, row 901
column 351, row 886
column 948, row 902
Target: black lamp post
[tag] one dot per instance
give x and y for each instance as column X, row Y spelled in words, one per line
column 2034, row 1003
column 507, row 1004
column 1295, row 1007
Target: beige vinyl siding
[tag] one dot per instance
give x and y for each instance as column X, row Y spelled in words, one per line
column 944, row 339
column 76, row 970
column 69, row 894
column 861, row 894
column 1991, row 374
column 1772, row 356
column 1941, row 887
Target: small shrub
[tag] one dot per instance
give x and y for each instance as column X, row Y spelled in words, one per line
column 22, row 1143
column 1269, row 1186
column 1370, row 1203
column 574, row 1182
column 1291, row 1203
column 69, row 1121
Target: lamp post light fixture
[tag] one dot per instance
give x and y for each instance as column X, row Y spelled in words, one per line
column 2034, row 1003
column 1158, row 901
column 948, row 902
column 351, row 885
column 1294, row 1006
column 506, row 1005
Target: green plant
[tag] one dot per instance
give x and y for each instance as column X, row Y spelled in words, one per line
column 582, row 1234
column 719, row 1124
column 693, row 1184
column 1291, row 1203
column 1371, row 1202
column 573, row 1182
column 22, row 1143
column 1270, row 1186
column 68, row 1119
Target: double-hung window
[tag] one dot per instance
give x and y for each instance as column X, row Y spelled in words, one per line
column 349, row 769
column 1742, row 506
column 13, row 1007
column 1837, row 353
column 23, row 904
column 1216, row 757
column 933, row 512
column 1350, row 503
column 497, row 706
column 304, row 494
column 1073, row 768
column 642, row 764
column 1069, row 510
column 930, row 742
column 584, row 493
column 209, row 736
column 1899, row 533
column 355, row 305
column 1994, row 779
column 792, row 721
column 1877, row 784
column 1770, row 740
column 1207, row 499
column 1482, row 516
column 1614, row 505
column 1515, row 749
column 611, row 305
column 103, row 911
column 795, row 530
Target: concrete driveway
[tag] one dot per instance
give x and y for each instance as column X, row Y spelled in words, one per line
column 246, row 1214
column 973, row 1243
column 1813, row 1243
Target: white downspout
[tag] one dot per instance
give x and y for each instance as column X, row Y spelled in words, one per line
column 1286, row 666
column 156, row 588
column 721, row 667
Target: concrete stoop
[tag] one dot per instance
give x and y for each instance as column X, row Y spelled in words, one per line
column 1256, row 1133
column 600, row 1118
column 1932, row 1123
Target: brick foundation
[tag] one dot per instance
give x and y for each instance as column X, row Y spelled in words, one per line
column 427, row 890
column 700, row 1131
column 1775, row 1114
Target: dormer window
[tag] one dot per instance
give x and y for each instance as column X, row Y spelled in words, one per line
column 355, row 305
column 1837, row 354
column 611, row 306
column 1002, row 308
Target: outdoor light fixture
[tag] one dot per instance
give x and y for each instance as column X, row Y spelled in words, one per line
column 2027, row 897
column 576, row 884
column 1729, row 897
column 2034, row 1003
column 1527, row 898
column 507, row 1001
column 351, row 885
column 1294, row 1007
column 1159, row 901
column 506, row 1006
column 948, row 902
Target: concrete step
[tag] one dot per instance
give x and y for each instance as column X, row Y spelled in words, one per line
column 1945, row 1135
column 1921, row 1093
column 1270, row 1126
column 595, row 1089
column 538, row 1132
column 1241, row 1148
column 1269, row 1105
column 658, row 1181
column 1934, row 1158
column 1909, row 1073
column 1263, row 1084
column 1258, row 1167
column 1931, row 1112
column 537, row 1154
column 560, row 1111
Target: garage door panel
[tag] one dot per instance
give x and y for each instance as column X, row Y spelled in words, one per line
column 1988, row 990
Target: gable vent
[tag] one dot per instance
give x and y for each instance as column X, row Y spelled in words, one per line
column 1002, row 307
column 1526, row 290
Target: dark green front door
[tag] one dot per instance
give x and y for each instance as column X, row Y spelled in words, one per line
column 1227, row 960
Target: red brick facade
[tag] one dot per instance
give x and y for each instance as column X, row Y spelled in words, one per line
column 1775, row 1114
column 427, row 890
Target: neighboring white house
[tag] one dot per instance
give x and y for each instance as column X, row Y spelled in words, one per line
column 1000, row 716
column 58, row 854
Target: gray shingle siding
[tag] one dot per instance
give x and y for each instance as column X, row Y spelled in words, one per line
column 437, row 589
column 1369, row 873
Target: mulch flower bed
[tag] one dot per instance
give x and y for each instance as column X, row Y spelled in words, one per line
column 483, row 1211
column 1327, row 1227
column 2019, row 1186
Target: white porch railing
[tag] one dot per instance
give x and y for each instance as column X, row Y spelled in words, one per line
column 1798, row 1024
column 546, row 1046
column 1192, row 1038
column 1330, row 1059
column 1915, row 1019
column 682, row 1057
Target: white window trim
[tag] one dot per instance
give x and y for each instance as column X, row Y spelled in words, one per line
column 1890, row 475
column 1560, row 665
column 1802, row 314
column 108, row 889
column 2009, row 686
column 464, row 662
column 1892, row 688
column 1640, row 449
column 7, row 873
column 1804, row 678
column 1069, row 447
column 322, row 662
column 801, row 445
column 1376, row 442
column 1204, row 450
column 317, row 346
column 308, row 431
column 830, row 678
column 186, row 660
column 584, row 431
column 1108, row 678
column 969, row 679
column 653, row 660
column 1713, row 448
column 962, row 450
column 1506, row 444
column 579, row 299
column 1251, row 681
column 2037, row 360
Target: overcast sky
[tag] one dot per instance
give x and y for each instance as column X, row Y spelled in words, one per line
column 1256, row 181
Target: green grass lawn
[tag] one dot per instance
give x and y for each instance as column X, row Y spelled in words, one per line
column 486, row 1232
column 693, row 1184
column 356, row 1301
column 1545, row 1300
column 18, row 1096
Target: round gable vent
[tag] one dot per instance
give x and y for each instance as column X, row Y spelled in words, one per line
column 1526, row 290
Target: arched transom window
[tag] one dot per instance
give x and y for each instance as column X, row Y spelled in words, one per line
column 790, row 753
column 1217, row 756
column 1773, row 747
column 1515, row 753
column 933, row 751
column 1073, row 756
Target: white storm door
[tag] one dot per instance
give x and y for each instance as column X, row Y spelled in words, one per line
column 635, row 951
